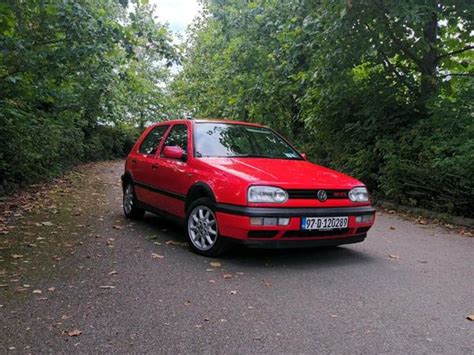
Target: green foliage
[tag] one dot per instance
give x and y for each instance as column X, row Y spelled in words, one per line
column 78, row 79
column 380, row 89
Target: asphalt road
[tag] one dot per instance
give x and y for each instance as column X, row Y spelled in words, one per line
column 407, row 289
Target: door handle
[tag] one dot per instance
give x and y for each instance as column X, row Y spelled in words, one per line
column 154, row 166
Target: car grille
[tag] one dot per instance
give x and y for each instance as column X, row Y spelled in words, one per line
column 309, row 234
column 313, row 194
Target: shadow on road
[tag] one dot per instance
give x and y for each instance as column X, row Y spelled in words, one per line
column 287, row 258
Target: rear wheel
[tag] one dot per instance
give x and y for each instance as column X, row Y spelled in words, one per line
column 130, row 203
column 202, row 229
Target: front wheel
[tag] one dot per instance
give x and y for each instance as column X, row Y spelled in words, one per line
column 203, row 230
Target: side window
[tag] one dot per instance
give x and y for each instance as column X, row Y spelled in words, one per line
column 178, row 136
column 151, row 141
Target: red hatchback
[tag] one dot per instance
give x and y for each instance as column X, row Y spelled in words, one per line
column 242, row 182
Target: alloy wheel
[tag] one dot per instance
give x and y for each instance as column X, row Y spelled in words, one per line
column 202, row 227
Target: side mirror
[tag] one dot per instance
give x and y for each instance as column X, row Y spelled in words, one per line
column 305, row 157
column 173, row 152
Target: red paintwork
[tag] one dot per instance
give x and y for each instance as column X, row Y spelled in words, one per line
column 173, row 152
column 229, row 179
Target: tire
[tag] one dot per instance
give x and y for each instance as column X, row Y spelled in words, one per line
column 130, row 203
column 202, row 229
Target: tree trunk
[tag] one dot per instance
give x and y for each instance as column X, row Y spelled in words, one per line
column 429, row 61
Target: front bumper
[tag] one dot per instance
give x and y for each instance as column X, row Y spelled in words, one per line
column 234, row 222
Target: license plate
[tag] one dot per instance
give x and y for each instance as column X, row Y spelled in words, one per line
column 324, row 223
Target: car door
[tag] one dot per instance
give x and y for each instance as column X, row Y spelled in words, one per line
column 143, row 164
column 171, row 175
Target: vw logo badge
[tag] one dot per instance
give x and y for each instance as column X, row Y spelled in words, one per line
column 322, row 195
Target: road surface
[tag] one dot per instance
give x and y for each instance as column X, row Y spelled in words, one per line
column 77, row 277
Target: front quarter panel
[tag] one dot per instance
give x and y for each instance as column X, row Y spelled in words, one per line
column 227, row 188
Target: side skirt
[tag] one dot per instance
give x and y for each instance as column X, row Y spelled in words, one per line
column 161, row 213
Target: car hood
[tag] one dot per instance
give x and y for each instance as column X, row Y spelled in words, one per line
column 284, row 173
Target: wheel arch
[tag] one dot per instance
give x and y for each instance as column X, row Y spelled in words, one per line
column 126, row 177
column 198, row 190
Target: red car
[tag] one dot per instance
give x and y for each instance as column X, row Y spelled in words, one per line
column 241, row 182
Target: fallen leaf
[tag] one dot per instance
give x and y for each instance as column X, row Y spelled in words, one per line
column 47, row 224
column 64, row 317
column 392, row 227
column 470, row 317
column 392, row 256
column 37, row 291
column 51, row 289
column 233, row 292
column 268, row 284
column 74, row 333
column 215, row 264
column 187, row 303
column 333, row 315
column 117, row 226
column 17, row 256
column 172, row 242
column 156, row 256
column 113, row 272
column 228, row 276
column 107, row 287
column 210, row 281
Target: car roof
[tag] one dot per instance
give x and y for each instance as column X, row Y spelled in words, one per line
column 209, row 120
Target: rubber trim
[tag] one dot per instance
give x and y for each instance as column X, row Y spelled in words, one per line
column 160, row 191
column 293, row 211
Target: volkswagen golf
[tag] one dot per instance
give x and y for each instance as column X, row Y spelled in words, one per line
column 233, row 182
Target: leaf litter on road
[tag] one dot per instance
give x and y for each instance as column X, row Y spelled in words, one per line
column 74, row 333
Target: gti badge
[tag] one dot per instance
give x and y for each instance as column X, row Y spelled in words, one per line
column 322, row 195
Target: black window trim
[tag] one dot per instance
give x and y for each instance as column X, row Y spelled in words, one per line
column 166, row 126
column 168, row 132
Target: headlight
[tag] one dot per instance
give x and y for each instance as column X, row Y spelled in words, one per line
column 267, row 194
column 359, row 194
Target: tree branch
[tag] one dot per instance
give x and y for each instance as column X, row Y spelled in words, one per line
column 458, row 74
column 467, row 48
column 397, row 41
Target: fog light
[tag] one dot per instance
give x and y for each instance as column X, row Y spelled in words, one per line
column 365, row 218
column 256, row 221
column 270, row 221
column 283, row 221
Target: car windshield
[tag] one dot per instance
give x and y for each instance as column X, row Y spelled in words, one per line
column 238, row 140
